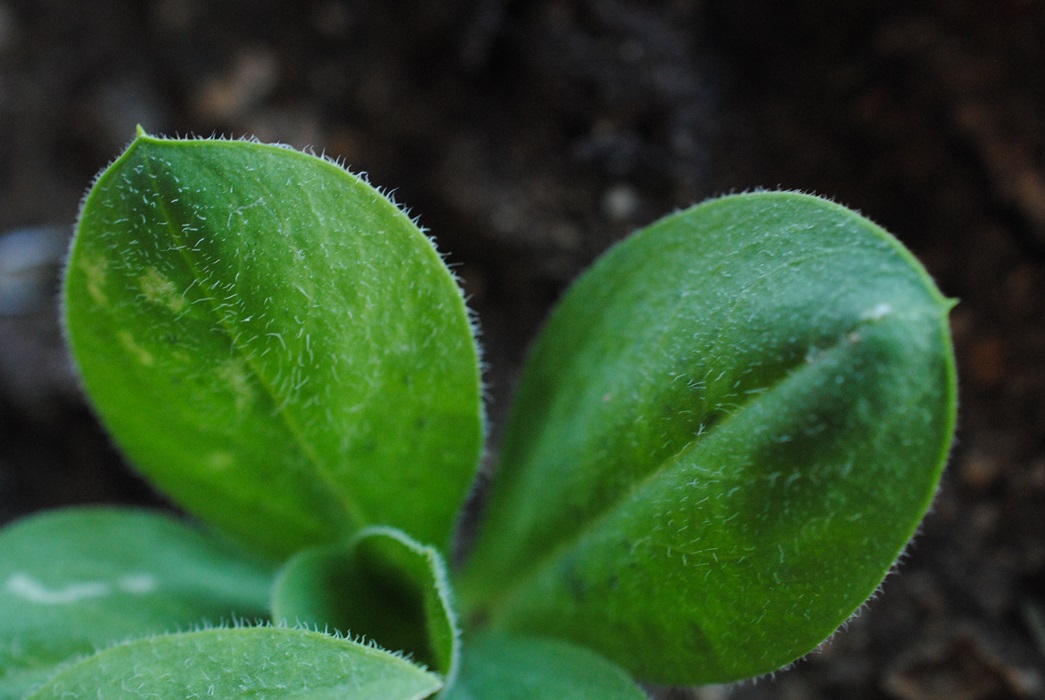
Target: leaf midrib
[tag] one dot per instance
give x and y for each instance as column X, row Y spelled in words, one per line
column 713, row 415
column 497, row 605
column 280, row 408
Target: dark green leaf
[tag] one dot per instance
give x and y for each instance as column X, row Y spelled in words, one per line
column 725, row 436
column 274, row 343
column 259, row 662
column 502, row 667
column 74, row 580
column 382, row 586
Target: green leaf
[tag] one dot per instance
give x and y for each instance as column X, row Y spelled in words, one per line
column 383, row 586
column 275, row 344
column 75, row 580
column 503, row 667
column 259, row 662
column 726, row 434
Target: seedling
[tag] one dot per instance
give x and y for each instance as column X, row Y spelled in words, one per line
column 727, row 432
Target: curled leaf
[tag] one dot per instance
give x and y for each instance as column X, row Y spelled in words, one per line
column 383, row 586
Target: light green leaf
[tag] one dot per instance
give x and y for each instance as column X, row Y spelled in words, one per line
column 503, row 667
column 383, row 586
column 72, row 581
column 259, row 662
column 274, row 343
column 726, row 434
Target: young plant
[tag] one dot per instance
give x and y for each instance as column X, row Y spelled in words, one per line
column 724, row 437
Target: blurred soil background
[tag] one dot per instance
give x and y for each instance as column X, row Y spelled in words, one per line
column 528, row 135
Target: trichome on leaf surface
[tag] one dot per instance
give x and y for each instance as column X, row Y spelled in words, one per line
column 724, row 437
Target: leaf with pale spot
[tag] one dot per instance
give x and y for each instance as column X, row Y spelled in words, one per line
column 274, row 343
column 72, row 581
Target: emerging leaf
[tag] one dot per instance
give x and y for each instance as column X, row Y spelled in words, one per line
column 383, row 586
column 75, row 580
column 504, row 667
column 274, row 343
column 726, row 434
column 259, row 662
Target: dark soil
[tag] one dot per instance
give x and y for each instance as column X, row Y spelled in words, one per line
column 528, row 136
